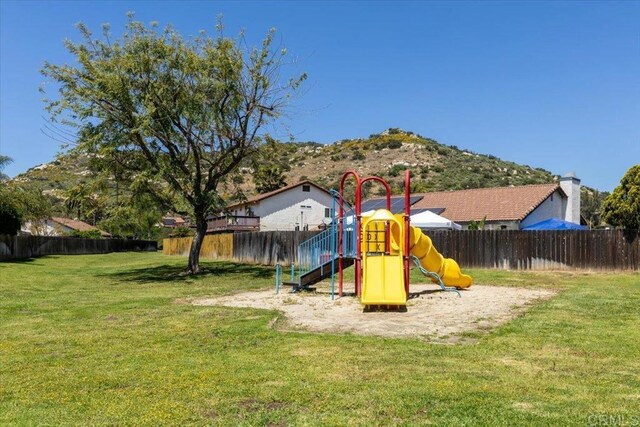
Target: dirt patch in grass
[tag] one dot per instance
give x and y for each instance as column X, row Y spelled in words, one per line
column 431, row 315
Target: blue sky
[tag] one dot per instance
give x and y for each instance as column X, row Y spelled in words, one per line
column 548, row 84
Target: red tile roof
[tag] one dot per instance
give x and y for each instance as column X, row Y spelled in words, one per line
column 497, row 204
column 170, row 221
column 75, row 224
column 258, row 197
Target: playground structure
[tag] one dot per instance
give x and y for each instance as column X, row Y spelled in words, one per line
column 379, row 244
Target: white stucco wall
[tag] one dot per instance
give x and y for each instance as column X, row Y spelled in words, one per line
column 45, row 228
column 282, row 211
column 553, row 207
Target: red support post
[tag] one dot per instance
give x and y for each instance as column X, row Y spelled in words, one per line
column 340, row 246
column 407, row 228
column 357, row 264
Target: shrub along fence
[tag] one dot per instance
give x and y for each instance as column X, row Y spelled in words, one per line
column 15, row 247
column 504, row 249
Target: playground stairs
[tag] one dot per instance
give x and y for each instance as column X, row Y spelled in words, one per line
column 318, row 258
column 316, row 275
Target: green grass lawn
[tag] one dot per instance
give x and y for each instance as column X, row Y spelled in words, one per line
column 99, row 340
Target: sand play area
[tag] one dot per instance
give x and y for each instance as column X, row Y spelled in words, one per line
column 431, row 315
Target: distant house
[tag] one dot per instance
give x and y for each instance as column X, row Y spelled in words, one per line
column 301, row 206
column 508, row 208
column 57, row 226
column 173, row 222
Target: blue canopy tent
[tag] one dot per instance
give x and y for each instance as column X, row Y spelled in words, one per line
column 554, row 224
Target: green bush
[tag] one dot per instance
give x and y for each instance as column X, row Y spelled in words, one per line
column 357, row 155
column 443, row 151
column 396, row 170
column 394, row 144
column 622, row 207
column 10, row 219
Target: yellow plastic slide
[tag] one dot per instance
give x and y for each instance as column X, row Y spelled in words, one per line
column 382, row 272
column 448, row 270
column 382, row 281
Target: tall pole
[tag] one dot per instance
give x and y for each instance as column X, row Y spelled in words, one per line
column 333, row 246
column 357, row 264
column 407, row 228
column 358, row 224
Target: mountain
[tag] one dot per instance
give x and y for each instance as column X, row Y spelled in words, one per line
column 66, row 171
column 434, row 166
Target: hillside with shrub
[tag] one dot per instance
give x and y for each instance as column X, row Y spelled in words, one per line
column 434, row 167
column 76, row 187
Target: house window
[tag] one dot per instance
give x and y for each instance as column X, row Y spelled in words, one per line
column 503, row 227
column 552, row 197
column 306, row 188
column 327, row 212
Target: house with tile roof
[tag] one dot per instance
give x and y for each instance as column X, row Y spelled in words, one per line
column 172, row 222
column 301, row 206
column 508, row 208
column 58, row 226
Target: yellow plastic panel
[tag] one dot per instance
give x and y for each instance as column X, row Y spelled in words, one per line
column 382, row 281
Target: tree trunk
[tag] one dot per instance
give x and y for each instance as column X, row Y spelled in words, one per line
column 196, row 243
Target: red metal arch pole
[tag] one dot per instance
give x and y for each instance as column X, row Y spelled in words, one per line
column 384, row 183
column 340, row 240
column 407, row 228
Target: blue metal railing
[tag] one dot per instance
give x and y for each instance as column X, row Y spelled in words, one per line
column 322, row 248
column 278, row 276
column 316, row 251
column 349, row 241
column 348, row 225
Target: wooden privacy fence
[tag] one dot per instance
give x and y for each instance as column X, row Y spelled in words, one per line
column 15, row 247
column 540, row 250
column 269, row 247
column 505, row 249
column 218, row 246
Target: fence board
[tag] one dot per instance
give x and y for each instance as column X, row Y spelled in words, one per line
column 539, row 250
column 218, row 246
column 269, row 247
column 503, row 249
column 19, row 247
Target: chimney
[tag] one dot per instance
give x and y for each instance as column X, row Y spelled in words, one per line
column 570, row 184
